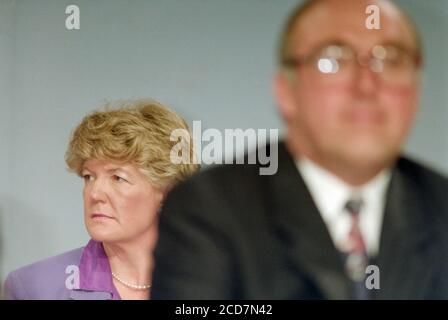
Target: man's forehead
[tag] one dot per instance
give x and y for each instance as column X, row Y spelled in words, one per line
column 346, row 21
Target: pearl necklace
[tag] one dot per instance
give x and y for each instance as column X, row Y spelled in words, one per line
column 132, row 286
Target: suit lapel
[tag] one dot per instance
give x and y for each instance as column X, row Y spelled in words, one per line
column 306, row 240
column 405, row 255
column 407, row 246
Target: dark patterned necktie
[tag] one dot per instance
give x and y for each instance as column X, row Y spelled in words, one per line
column 356, row 258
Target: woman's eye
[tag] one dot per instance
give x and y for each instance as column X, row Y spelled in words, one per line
column 119, row 179
column 87, row 177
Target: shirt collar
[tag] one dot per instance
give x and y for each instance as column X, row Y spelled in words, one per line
column 330, row 195
column 328, row 191
column 94, row 270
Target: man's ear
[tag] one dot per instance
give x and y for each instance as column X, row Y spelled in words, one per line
column 284, row 96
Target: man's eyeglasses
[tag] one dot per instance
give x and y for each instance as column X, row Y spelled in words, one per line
column 338, row 62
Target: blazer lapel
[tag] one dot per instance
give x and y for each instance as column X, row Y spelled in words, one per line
column 306, row 240
column 405, row 257
column 90, row 295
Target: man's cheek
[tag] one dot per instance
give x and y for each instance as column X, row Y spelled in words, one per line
column 399, row 95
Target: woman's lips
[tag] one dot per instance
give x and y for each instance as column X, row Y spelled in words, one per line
column 100, row 216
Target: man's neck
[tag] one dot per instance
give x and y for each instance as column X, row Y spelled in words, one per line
column 352, row 174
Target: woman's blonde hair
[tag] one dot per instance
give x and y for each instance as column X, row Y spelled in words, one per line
column 135, row 131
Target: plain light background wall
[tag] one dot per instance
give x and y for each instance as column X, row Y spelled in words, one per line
column 210, row 60
column 6, row 45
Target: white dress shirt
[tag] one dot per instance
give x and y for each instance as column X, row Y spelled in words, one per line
column 330, row 194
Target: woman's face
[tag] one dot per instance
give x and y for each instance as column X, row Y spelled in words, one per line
column 120, row 204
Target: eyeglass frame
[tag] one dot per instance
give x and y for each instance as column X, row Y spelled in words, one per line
column 295, row 62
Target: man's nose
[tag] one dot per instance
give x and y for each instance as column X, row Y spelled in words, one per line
column 365, row 80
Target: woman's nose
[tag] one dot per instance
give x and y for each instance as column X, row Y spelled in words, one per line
column 97, row 191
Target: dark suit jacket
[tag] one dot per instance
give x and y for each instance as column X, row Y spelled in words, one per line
column 229, row 233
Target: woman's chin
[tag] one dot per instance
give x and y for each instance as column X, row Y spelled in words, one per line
column 102, row 234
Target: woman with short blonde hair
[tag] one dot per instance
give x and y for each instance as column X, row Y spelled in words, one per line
column 123, row 154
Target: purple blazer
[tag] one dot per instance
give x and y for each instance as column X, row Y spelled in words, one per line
column 81, row 274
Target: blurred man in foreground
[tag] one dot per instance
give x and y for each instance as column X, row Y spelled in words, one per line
column 346, row 216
